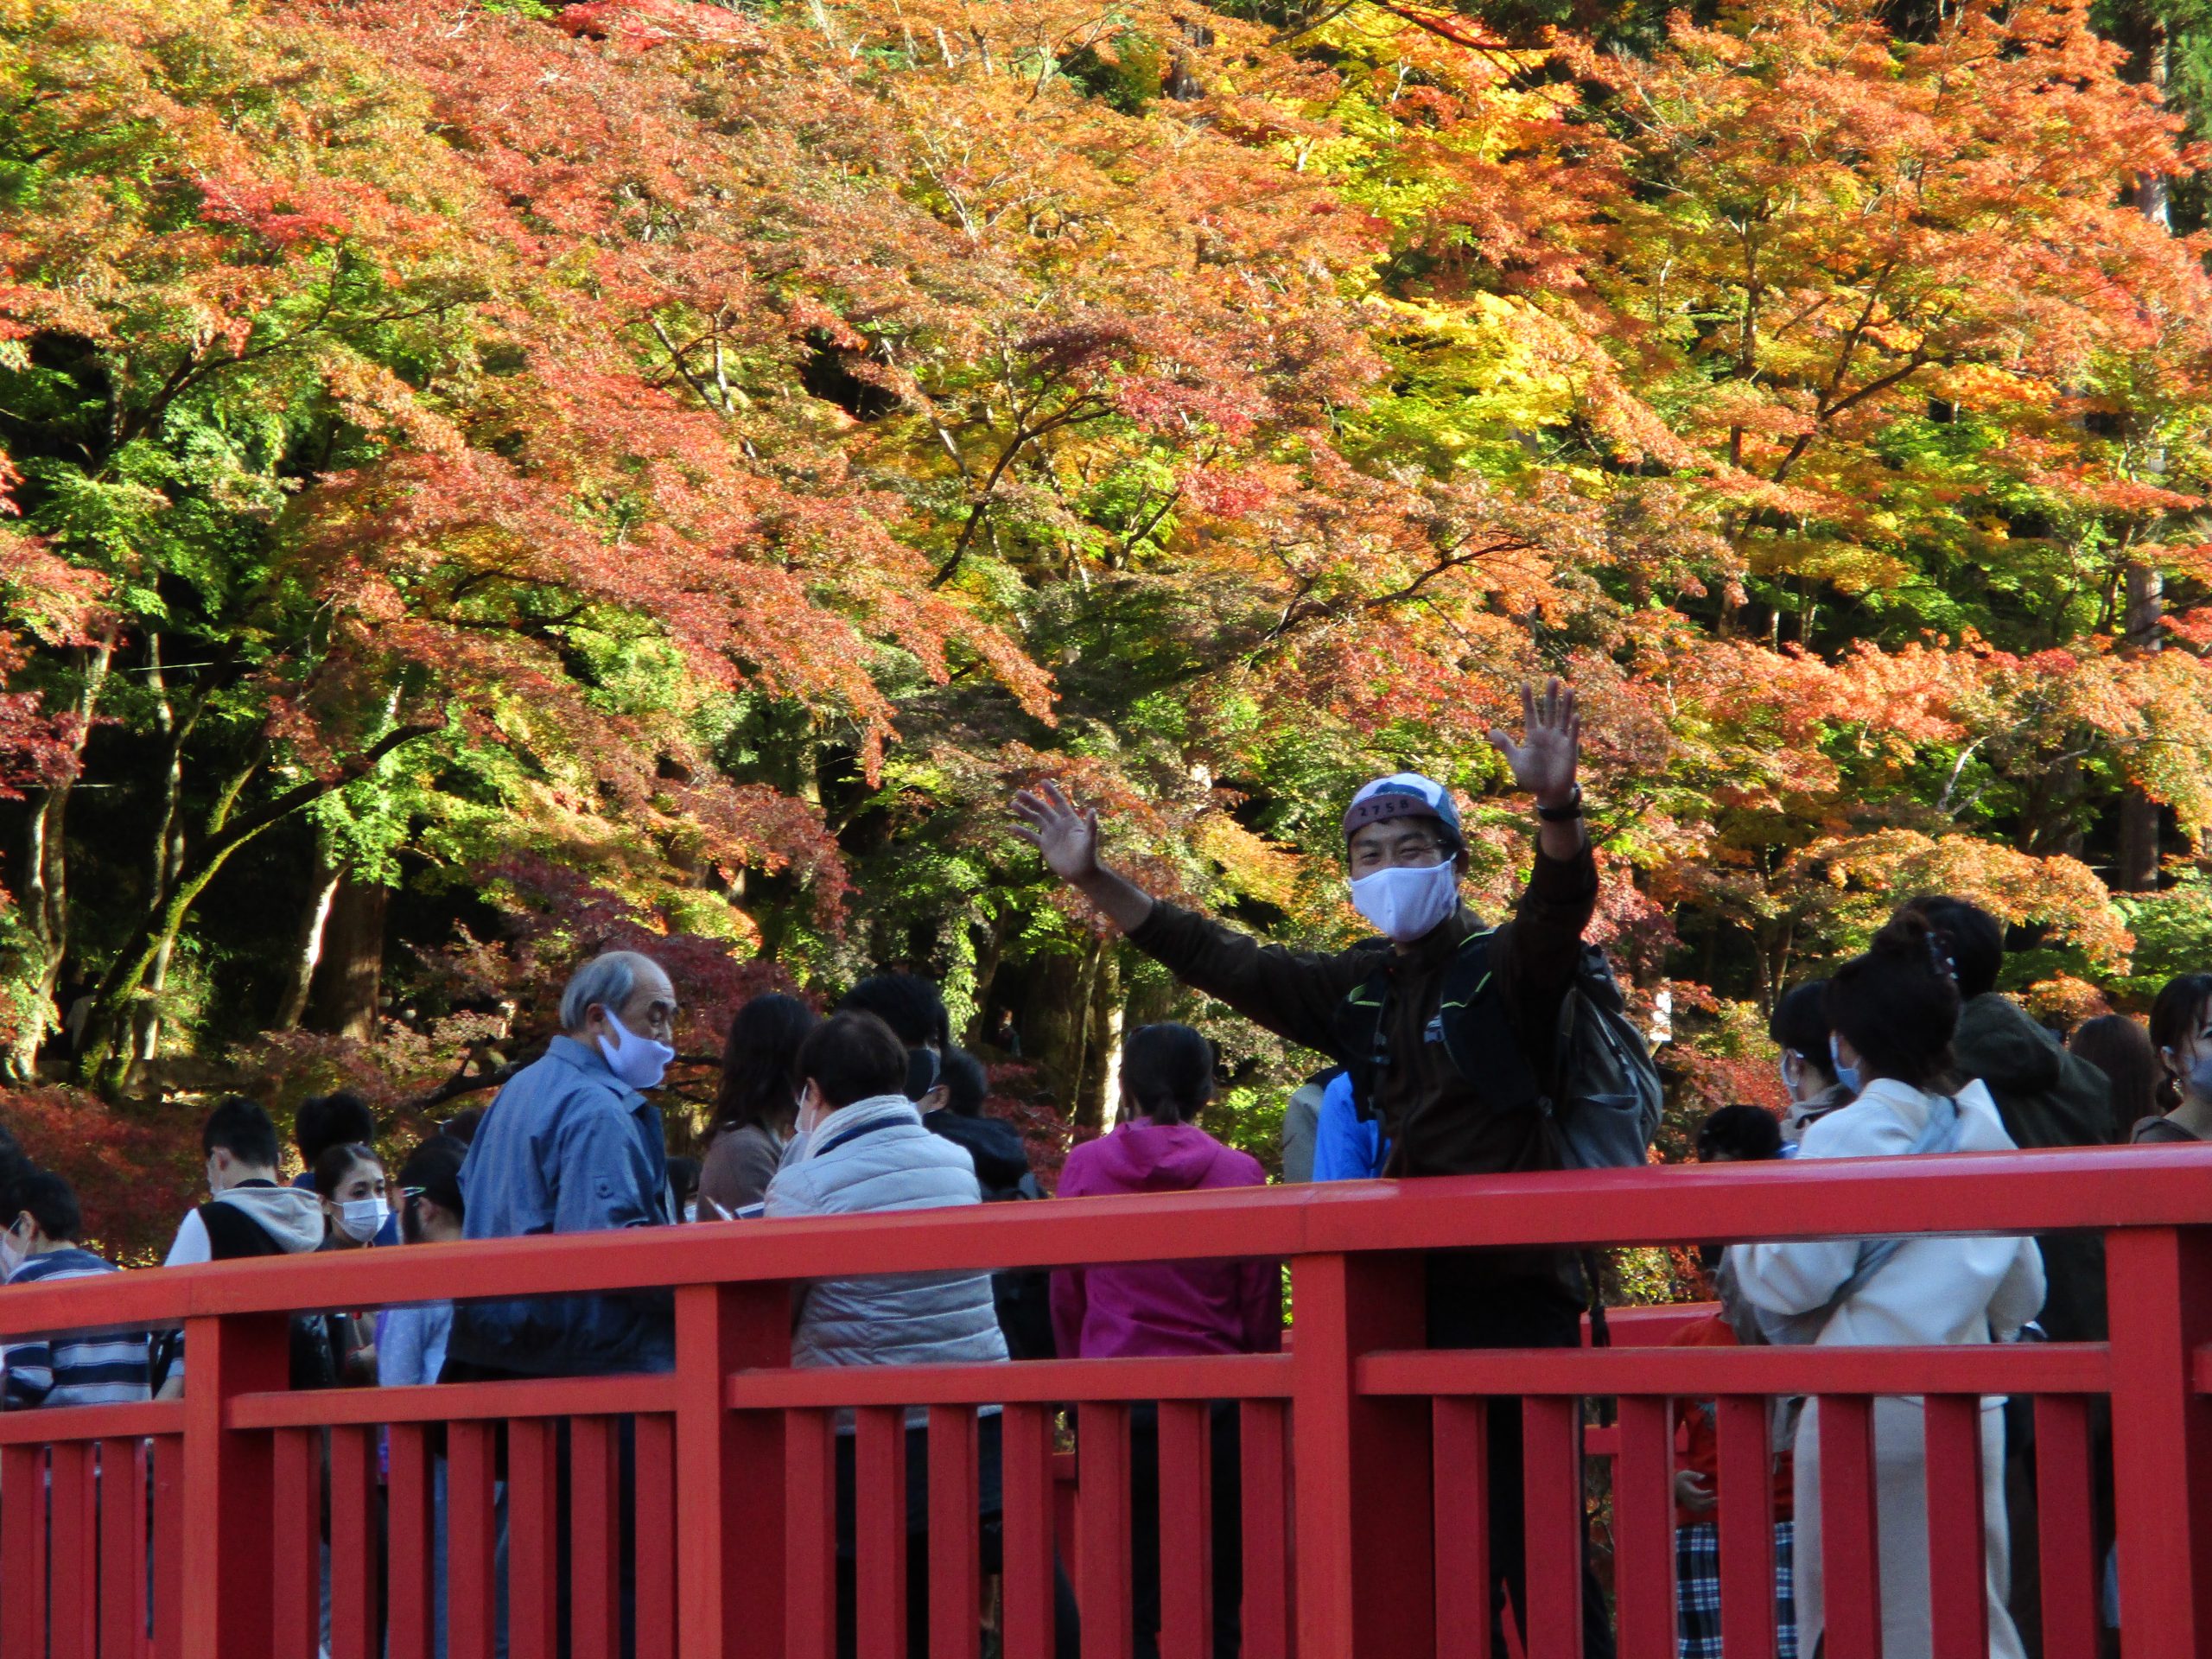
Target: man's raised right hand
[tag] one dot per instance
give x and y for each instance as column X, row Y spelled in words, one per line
column 1066, row 834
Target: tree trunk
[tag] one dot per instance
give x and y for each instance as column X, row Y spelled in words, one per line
column 2153, row 54
column 351, row 971
column 292, row 1007
column 1102, row 1099
column 45, row 898
column 2136, row 869
column 166, row 862
column 1083, row 1092
column 106, row 1061
column 2050, row 819
column 987, row 973
column 1054, row 1023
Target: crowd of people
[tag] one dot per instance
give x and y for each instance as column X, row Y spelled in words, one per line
column 1908, row 1049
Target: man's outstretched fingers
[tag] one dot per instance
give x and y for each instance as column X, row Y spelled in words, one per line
column 1039, row 806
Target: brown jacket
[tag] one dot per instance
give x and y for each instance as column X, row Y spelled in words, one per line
column 1431, row 1115
column 2161, row 1132
column 738, row 1166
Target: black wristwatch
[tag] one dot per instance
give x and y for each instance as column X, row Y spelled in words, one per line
column 1566, row 814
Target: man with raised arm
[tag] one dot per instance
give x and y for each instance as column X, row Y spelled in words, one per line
column 1378, row 1009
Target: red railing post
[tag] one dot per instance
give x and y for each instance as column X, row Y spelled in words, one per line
column 730, row 1489
column 228, row 1485
column 1366, row 1579
column 2159, row 1284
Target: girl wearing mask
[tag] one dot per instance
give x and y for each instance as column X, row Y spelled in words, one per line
column 1893, row 1011
column 2181, row 1030
column 350, row 1180
column 1799, row 1030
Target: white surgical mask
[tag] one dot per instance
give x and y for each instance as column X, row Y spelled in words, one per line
column 1790, row 1075
column 639, row 1061
column 1845, row 1075
column 12, row 1254
column 1405, row 904
column 362, row 1219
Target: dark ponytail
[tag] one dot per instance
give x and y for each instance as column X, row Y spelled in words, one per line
column 1898, row 1006
column 1968, row 943
column 1167, row 1072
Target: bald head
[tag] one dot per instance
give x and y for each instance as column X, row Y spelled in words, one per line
column 632, row 986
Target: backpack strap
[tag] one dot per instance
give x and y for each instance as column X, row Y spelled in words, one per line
column 1363, row 1043
column 232, row 1234
column 1479, row 1039
column 1470, row 1022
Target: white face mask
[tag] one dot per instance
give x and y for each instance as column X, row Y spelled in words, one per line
column 1845, row 1075
column 1791, row 1075
column 812, row 1108
column 639, row 1061
column 362, row 1219
column 1407, row 904
column 13, row 1255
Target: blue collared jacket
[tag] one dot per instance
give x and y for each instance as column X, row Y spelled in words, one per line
column 566, row 1147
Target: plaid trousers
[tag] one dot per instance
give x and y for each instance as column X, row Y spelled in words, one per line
column 1697, row 1592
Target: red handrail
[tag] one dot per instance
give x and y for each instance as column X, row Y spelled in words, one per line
column 1970, row 1192
column 1359, row 1447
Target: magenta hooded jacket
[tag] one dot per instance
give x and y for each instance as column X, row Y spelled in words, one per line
column 1164, row 1308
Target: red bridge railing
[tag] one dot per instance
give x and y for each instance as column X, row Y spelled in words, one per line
column 195, row 1530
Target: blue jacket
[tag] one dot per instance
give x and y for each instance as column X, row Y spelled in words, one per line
column 1345, row 1149
column 566, row 1147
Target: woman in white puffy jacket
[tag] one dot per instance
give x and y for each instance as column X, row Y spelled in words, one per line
column 862, row 1149
column 1893, row 1011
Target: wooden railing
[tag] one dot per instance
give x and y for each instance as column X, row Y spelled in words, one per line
column 196, row 1530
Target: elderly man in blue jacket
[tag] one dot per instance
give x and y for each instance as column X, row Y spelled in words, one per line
column 571, row 1145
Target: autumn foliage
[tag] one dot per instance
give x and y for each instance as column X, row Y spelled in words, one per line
column 655, row 470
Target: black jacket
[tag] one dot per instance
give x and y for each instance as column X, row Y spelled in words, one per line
column 1431, row 1115
column 2048, row 1098
column 1433, row 1121
column 1001, row 1159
